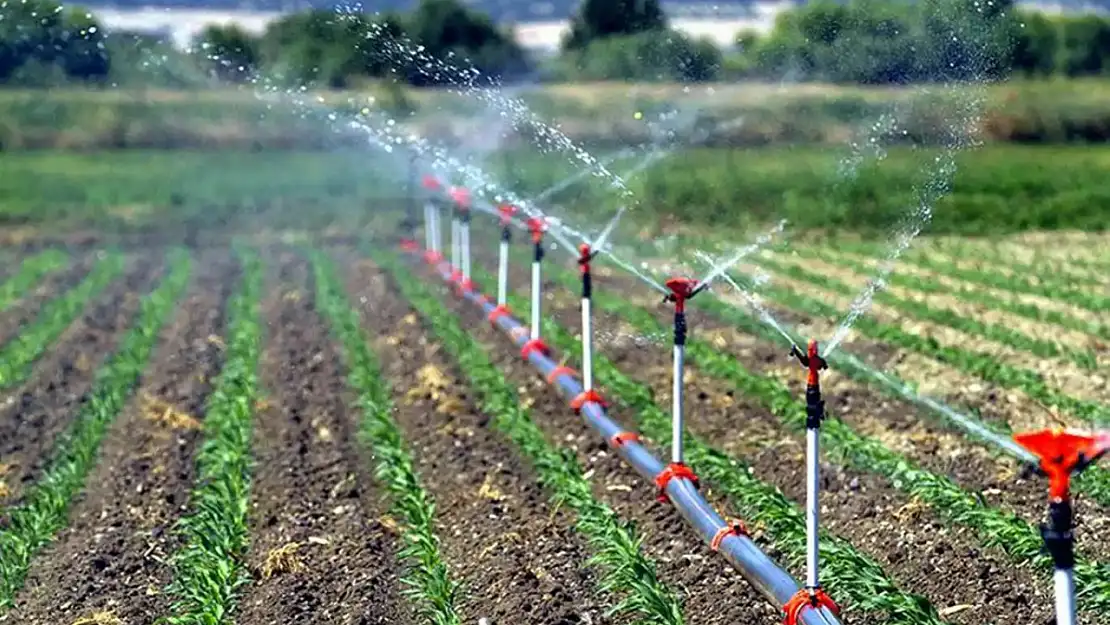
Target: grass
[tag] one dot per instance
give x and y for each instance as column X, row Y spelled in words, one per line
column 846, row 572
column 427, row 579
column 209, row 569
column 45, row 506
column 31, row 270
column 625, row 570
column 20, row 353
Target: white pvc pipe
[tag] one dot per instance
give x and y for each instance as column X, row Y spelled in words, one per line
column 437, row 238
column 676, row 407
column 535, row 334
column 427, row 227
column 464, row 231
column 454, row 243
column 503, row 275
column 1064, row 581
column 812, row 511
column 587, row 347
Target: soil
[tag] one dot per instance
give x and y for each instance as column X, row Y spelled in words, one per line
column 519, row 558
column 37, row 412
column 24, row 311
column 312, row 486
column 113, row 557
column 710, row 590
column 911, row 542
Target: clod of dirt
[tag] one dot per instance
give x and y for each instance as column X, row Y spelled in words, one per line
column 4, row 490
column 488, row 491
column 99, row 618
column 164, row 414
column 282, row 560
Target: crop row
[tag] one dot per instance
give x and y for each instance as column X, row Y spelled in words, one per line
column 208, row 568
column 846, row 572
column 615, row 544
column 994, row 527
column 1043, row 268
column 31, row 270
column 428, row 580
column 43, row 511
column 17, row 356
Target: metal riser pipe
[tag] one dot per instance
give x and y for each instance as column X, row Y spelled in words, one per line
column 760, row 571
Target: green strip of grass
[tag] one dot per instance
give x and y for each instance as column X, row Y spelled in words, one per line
column 616, row 546
column 44, row 509
column 209, row 569
column 31, row 270
column 428, row 581
column 21, row 352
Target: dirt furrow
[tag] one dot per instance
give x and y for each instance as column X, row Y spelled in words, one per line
column 320, row 552
column 913, row 544
column 34, row 414
column 712, row 592
column 520, row 559
column 23, row 312
column 113, row 557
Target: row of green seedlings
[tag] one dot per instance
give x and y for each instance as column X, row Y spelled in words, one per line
column 847, row 573
column 1094, row 483
column 31, row 271
column 1012, row 306
column 985, row 366
column 1015, row 283
column 996, row 528
column 44, row 508
column 1000, row 333
column 20, row 353
column 209, row 567
column 615, row 545
column 1046, row 268
column 427, row 579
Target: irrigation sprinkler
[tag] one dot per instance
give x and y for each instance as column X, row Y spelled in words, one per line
column 1061, row 454
column 537, row 226
column 461, row 198
column 812, row 595
column 431, row 220
column 506, row 212
column 586, row 253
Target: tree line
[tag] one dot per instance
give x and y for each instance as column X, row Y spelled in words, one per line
column 859, row 41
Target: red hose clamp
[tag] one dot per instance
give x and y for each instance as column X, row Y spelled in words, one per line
column 534, row 345
column 673, row 470
column 734, row 527
column 466, row 285
column 497, row 313
column 808, row 598
column 558, row 371
column 620, row 438
column 456, row 275
column 586, row 397
column 408, row 245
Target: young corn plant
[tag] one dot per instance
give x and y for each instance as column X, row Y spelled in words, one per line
column 44, row 508
column 1020, row 540
column 21, row 352
column 846, row 572
column 31, row 271
column 208, row 569
column 625, row 570
column 429, row 583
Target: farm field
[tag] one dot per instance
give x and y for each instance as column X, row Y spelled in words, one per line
column 308, row 426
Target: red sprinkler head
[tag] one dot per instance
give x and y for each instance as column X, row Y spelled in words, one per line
column 461, row 197
column 1063, row 452
column 537, row 226
column 681, row 289
column 507, row 211
column 431, row 183
column 810, row 360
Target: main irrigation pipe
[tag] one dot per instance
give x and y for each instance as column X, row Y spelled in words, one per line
column 760, row 571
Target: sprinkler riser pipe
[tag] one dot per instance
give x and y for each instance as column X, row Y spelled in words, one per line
column 464, row 238
column 676, row 407
column 535, row 329
column 456, row 228
column 812, row 506
column 427, row 227
column 742, row 554
column 503, row 273
column 587, row 346
column 437, row 235
column 1063, row 581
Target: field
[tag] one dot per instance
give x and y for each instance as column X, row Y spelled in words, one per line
column 229, row 396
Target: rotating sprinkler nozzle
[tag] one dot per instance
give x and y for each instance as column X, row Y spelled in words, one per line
column 1062, row 453
column 431, row 220
column 812, row 595
column 506, row 212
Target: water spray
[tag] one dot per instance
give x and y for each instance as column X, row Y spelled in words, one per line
column 812, row 595
column 537, row 226
column 506, row 213
column 431, row 220
column 1062, row 453
column 408, row 224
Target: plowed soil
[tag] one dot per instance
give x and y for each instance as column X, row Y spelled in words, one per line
column 313, row 494
column 518, row 557
column 52, row 285
column 113, row 557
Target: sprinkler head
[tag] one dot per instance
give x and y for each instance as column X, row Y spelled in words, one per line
column 507, row 211
column 1062, row 453
column 537, row 226
column 461, row 196
column 585, row 254
column 681, row 289
column 431, row 183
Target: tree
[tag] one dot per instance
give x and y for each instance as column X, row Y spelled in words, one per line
column 598, row 19
column 1086, row 45
column 1037, row 45
column 448, row 28
column 229, row 52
